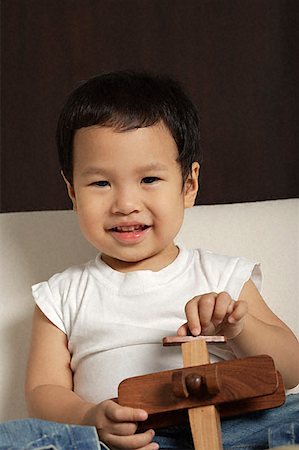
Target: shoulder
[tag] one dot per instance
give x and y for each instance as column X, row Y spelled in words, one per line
column 228, row 273
column 220, row 261
column 59, row 298
column 72, row 276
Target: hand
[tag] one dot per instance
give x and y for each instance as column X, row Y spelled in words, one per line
column 214, row 314
column 116, row 426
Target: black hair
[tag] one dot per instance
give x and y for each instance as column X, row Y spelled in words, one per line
column 126, row 100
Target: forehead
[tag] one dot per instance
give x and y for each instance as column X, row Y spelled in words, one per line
column 153, row 143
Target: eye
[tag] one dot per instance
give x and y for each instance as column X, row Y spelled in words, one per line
column 101, row 183
column 150, row 180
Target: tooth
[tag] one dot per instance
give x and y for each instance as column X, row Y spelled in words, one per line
column 129, row 228
column 132, row 228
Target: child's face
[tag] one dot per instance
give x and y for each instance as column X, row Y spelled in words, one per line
column 128, row 194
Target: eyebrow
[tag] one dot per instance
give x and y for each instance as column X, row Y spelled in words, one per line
column 93, row 171
column 156, row 166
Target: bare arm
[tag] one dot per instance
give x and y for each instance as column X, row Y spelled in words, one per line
column 49, row 376
column 265, row 333
column 50, row 396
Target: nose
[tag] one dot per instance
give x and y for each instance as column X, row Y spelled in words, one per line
column 126, row 201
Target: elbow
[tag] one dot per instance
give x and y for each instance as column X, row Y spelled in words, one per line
column 30, row 400
column 291, row 380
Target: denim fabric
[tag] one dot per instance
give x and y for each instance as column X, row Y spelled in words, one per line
column 255, row 431
column 284, row 434
column 29, row 434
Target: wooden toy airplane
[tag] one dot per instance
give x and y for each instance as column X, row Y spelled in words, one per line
column 202, row 391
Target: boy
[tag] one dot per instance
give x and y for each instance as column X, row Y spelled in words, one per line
column 129, row 153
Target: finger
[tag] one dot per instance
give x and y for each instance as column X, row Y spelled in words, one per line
column 192, row 315
column 240, row 309
column 223, row 306
column 183, row 330
column 206, row 309
column 122, row 428
column 136, row 441
column 119, row 414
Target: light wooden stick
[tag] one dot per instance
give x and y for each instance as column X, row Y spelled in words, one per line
column 204, row 421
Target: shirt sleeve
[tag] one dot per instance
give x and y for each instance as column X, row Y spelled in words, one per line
column 243, row 271
column 228, row 273
column 49, row 301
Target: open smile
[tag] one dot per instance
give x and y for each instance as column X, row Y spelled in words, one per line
column 128, row 229
column 130, row 234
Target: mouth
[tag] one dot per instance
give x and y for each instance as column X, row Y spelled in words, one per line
column 130, row 234
column 129, row 229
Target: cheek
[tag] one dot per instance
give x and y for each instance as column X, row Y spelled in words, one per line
column 90, row 205
column 89, row 217
column 173, row 202
column 91, row 229
column 172, row 212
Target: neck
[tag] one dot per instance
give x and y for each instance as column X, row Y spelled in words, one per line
column 153, row 262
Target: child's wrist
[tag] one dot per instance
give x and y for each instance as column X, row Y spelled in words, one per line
column 89, row 414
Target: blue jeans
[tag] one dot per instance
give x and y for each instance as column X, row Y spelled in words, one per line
column 256, row 431
column 29, row 434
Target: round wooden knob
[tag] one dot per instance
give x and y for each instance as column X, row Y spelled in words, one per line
column 193, row 383
column 183, row 386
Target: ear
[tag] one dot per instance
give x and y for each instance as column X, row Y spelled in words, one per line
column 70, row 190
column 191, row 186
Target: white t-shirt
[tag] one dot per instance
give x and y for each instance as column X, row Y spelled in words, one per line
column 115, row 321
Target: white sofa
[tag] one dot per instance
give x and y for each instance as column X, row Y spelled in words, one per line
column 35, row 245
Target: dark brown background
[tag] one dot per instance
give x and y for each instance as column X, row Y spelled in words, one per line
column 237, row 58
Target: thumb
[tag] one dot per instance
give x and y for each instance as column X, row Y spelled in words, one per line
column 183, row 330
column 119, row 413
